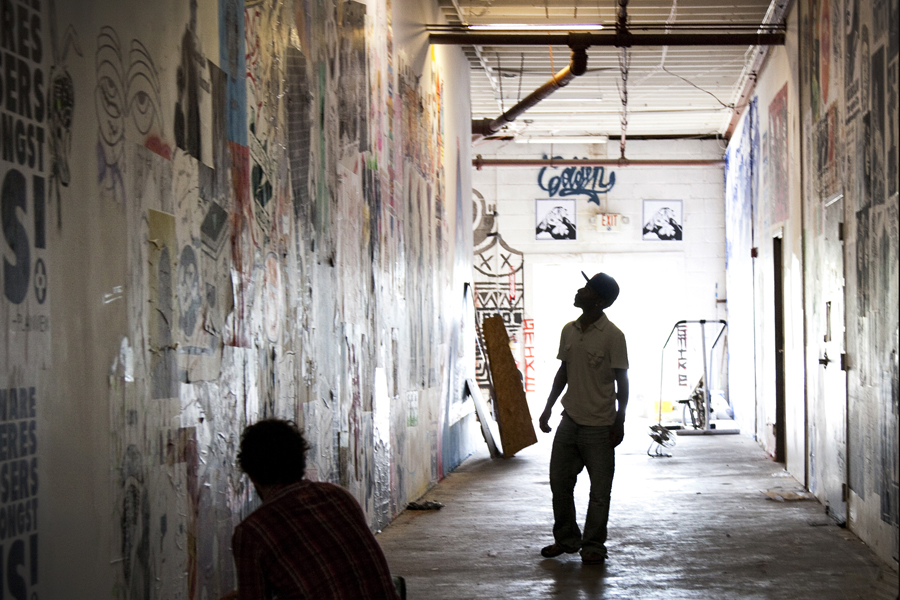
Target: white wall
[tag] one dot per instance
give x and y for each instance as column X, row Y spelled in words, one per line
column 661, row 281
column 780, row 70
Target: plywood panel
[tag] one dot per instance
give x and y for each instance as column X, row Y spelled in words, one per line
column 516, row 428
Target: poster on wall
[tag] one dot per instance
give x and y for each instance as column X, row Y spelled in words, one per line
column 778, row 171
column 663, row 220
column 554, row 219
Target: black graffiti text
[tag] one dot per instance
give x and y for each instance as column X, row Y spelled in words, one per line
column 14, row 198
column 572, row 181
column 18, row 479
column 18, row 518
column 21, row 143
column 25, row 323
column 20, row 566
column 18, row 403
column 17, row 440
column 20, row 29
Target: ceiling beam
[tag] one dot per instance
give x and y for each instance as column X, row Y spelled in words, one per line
column 478, row 162
column 620, row 40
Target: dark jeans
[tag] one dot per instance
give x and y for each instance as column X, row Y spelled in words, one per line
column 574, row 448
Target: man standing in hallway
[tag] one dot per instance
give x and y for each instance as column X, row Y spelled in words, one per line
column 595, row 368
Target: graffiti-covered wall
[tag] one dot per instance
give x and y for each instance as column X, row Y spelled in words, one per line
column 499, row 289
column 849, row 70
column 215, row 211
column 812, row 173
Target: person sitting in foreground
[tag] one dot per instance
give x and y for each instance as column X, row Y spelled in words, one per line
column 308, row 539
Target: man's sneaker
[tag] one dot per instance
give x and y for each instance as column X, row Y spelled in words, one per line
column 553, row 550
column 593, row 558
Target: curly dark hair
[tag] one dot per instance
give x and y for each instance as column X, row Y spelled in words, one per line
column 273, row 452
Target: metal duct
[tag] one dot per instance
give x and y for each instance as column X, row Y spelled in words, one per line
column 577, row 66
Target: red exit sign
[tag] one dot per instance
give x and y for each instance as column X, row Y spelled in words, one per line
column 608, row 222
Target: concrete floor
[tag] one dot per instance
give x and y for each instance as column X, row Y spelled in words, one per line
column 692, row 526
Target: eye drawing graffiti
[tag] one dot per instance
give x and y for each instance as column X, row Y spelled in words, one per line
column 124, row 89
column 143, row 89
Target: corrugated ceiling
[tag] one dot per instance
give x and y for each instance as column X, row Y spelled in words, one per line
column 677, row 90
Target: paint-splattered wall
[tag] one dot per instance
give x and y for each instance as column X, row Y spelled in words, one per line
column 739, row 270
column 764, row 208
column 216, row 211
column 830, row 97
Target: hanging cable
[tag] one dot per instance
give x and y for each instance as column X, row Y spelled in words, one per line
column 500, row 80
column 673, row 12
column 691, row 83
column 623, row 96
column 521, row 76
column 622, row 33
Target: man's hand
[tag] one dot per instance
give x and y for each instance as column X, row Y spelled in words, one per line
column 618, row 433
column 618, row 429
column 559, row 383
column 544, row 422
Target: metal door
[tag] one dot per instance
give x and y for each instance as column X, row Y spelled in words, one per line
column 831, row 420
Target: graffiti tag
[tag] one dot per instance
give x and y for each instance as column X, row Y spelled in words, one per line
column 588, row 181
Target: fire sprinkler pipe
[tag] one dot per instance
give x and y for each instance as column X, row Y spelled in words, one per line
column 576, row 67
column 478, row 162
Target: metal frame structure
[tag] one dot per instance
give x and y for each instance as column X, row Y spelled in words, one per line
column 707, row 429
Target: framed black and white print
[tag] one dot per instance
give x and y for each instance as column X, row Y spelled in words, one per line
column 554, row 219
column 663, row 220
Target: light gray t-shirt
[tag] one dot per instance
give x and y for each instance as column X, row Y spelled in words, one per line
column 591, row 358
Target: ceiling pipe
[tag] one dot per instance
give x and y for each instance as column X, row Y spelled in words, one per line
column 622, row 40
column 576, row 67
column 478, row 162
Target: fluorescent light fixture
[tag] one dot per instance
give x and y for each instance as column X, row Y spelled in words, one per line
column 583, row 139
column 555, row 99
column 524, row 27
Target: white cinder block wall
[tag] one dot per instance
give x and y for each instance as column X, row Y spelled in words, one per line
column 661, row 281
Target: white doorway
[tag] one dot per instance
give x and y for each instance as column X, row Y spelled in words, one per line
column 655, row 292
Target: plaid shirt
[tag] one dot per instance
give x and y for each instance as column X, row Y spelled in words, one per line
column 310, row 540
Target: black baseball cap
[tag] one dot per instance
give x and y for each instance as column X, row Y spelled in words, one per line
column 605, row 286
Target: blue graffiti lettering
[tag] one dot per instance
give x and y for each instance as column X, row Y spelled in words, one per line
column 578, row 180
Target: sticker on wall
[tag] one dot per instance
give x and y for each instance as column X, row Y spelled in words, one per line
column 554, row 219
column 663, row 220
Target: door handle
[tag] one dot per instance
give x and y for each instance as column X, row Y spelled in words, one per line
column 824, row 361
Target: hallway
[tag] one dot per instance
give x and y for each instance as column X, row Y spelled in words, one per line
column 696, row 525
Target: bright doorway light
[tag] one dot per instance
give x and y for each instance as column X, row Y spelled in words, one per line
column 652, row 298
